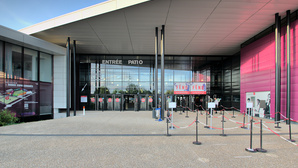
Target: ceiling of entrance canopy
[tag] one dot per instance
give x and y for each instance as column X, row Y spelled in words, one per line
column 192, row 27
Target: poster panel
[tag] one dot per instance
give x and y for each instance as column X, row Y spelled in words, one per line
column 181, row 88
column 190, row 88
column 260, row 103
column 197, row 88
column 20, row 97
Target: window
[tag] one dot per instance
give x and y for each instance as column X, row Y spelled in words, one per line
column 1, row 59
column 13, row 61
column 30, row 64
column 45, row 68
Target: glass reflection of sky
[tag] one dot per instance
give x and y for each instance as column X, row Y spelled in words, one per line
column 119, row 77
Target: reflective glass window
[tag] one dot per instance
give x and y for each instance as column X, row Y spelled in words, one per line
column 1, row 59
column 30, row 64
column 13, row 61
column 45, row 70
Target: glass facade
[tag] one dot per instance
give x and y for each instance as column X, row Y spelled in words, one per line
column 25, row 81
column 103, row 79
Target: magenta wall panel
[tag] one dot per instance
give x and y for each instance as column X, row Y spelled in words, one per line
column 257, row 69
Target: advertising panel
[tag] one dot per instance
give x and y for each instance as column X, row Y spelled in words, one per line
column 260, row 103
column 190, row 88
column 20, row 97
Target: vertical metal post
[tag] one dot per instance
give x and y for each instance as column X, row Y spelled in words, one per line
column 289, row 74
column 74, row 80
column 261, row 139
column 156, row 67
column 206, row 126
column 277, row 67
column 288, row 67
column 250, row 149
column 162, row 70
column 67, row 76
column 197, row 131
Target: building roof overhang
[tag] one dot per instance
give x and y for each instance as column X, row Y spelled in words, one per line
column 192, row 27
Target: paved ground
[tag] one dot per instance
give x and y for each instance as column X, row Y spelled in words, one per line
column 134, row 139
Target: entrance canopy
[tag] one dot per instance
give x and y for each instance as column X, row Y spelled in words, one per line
column 193, row 27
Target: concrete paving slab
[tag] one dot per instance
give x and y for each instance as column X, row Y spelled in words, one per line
column 135, row 139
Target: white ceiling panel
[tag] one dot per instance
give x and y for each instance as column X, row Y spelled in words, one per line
column 192, row 27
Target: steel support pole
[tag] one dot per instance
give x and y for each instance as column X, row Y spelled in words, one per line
column 288, row 67
column 156, row 67
column 162, row 70
column 74, row 80
column 67, row 76
column 277, row 67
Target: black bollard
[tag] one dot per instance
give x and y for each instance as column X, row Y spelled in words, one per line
column 244, row 127
column 168, row 127
column 233, row 113
column 277, row 124
column 186, row 116
column 261, row 139
column 223, row 116
column 223, row 127
column 180, row 110
column 250, row 149
column 206, row 126
column 197, row 132
column 290, row 132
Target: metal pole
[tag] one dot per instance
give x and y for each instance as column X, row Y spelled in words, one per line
column 277, row 68
column 211, row 113
column 156, row 67
column 223, row 127
column 289, row 74
column 244, row 121
column 162, row 70
column 288, row 67
column 233, row 113
column 74, row 79
column 261, row 139
column 197, row 132
column 250, row 149
column 206, row 126
column 67, row 76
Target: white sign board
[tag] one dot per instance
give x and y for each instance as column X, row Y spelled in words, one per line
column 172, row 104
column 83, row 99
column 249, row 105
column 211, row 105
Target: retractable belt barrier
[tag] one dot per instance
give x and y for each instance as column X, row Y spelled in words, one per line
column 242, row 124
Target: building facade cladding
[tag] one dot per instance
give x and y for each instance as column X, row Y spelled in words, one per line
column 26, row 81
column 258, row 70
column 116, row 77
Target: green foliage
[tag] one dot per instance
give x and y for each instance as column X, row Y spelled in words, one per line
column 7, row 118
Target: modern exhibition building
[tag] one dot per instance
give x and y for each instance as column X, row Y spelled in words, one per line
column 139, row 54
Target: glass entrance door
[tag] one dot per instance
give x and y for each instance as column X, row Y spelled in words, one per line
column 129, row 102
column 118, row 103
column 143, row 102
column 110, row 102
column 100, row 102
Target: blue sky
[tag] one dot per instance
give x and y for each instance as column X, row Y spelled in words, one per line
column 18, row 14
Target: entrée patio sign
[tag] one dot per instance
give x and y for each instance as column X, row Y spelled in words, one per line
column 119, row 62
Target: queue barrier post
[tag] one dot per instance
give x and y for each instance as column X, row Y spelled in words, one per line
column 290, row 132
column 261, row 139
column 197, row 132
column 233, row 113
column 250, row 149
column 186, row 116
column 206, row 126
column 243, row 126
column 168, row 127
column 223, row 127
